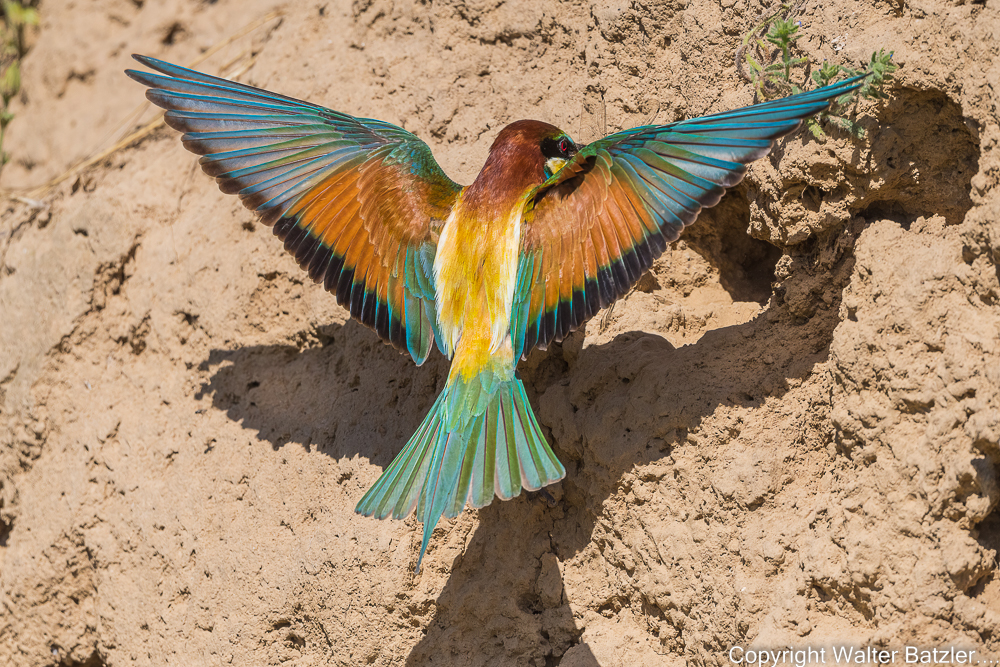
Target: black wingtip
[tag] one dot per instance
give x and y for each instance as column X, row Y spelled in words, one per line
column 146, row 78
column 847, row 85
column 148, row 61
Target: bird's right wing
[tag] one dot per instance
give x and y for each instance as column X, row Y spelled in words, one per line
column 358, row 202
column 597, row 225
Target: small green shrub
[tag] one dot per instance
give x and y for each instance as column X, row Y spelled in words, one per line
column 16, row 17
column 776, row 71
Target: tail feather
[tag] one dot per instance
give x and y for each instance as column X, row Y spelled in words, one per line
column 462, row 491
column 480, row 439
column 544, row 464
column 481, row 489
column 440, row 484
column 395, row 492
column 508, row 477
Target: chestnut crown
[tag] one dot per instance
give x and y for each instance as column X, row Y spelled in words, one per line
column 524, row 155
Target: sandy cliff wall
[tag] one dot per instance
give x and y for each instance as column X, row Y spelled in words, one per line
column 787, row 436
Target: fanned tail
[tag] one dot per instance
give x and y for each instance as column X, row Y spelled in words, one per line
column 479, row 439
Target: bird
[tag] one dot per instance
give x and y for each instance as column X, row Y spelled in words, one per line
column 547, row 235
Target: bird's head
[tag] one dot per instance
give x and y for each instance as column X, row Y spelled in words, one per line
column 539, row 148
column 523, row 156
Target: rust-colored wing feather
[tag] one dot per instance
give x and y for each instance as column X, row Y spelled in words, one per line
column 597, row 225
column 358, row 202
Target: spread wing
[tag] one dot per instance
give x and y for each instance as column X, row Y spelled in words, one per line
column 601, row 220
column 358, row 202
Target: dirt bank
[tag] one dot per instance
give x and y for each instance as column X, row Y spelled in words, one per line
column 787, row 436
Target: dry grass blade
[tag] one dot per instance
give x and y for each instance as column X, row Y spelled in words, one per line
column 154, row 124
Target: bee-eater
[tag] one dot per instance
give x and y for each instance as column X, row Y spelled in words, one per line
column 547, row 235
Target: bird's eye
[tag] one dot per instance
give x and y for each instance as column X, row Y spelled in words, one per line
column 564, row 146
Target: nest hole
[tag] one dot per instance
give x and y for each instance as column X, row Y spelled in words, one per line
column 924, row 153
column 721, row 235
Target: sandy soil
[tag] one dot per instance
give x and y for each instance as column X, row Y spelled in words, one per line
column 788, row 436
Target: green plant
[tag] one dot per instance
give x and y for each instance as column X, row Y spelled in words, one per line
column 16, row 17
column 776, row 71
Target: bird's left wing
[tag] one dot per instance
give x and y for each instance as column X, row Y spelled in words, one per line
column 597, row 225
column 358, row 202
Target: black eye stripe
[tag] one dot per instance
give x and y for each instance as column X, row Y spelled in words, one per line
column 561, row 147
